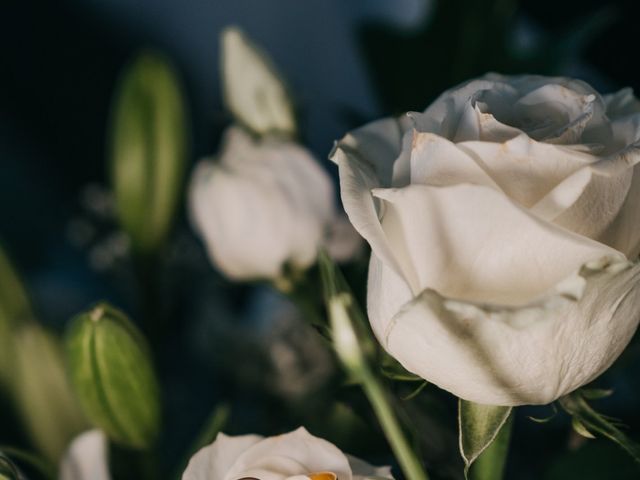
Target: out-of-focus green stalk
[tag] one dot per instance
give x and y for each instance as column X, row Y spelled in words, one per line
column 352, row 356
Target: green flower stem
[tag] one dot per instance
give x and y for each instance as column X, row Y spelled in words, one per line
column 490, row 464
column 379, row 400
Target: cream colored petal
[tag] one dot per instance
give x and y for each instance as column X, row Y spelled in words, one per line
column 514, row 356
column 294, row 453
column 214, row 461
column 253, row 90
column 244, row 223
column 439, row 162
column 86, row 458
column 366, row 159
column 309, row 194
column 621, row 103
column 624, row 232
column 524, row 169
column 470, row 242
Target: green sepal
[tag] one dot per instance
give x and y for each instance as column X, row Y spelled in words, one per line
column 479, row 426
column 111, row 370
column 589, row 423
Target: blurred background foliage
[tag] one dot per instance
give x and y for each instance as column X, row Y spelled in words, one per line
column 245, row 346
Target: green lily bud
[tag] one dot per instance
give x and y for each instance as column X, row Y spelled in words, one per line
column 148, row 149
column 111, row 370
column 254, row 91
column 42, row 393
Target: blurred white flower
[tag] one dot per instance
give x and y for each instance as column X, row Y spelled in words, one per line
column 505, row 228
column 297, row 455
column 86, row 458
column 263, row 204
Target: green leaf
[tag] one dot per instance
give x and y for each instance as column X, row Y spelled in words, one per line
column 587, row 422
column 148, row 149
column 254, row 91
column 417, row 391
column 479, row 425
column 15, row 309
column 111, row 370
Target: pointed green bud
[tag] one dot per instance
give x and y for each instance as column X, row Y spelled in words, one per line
column 148, row 149
column 254, row 91
column 110, row 367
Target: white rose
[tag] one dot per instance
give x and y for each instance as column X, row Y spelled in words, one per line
column 263, row 204
column 297, row 455
column 504, row 223
column 86, row 458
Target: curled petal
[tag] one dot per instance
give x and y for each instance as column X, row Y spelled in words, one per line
column 294, row 453
column 512, row 356
column 526, row 170
column 470, row 242
column 215, row 460
column 366, row 159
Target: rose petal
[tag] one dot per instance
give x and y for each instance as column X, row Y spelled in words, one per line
column 470, row 242
column 512, row 356
column 366, row 159
column 215, row 460
column 437, row 161
column 624, row 232
column 294, row 453
column 621, row 103
column 86, row 458
column 524, row 169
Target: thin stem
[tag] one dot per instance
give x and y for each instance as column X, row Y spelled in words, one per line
column 490, row 465
column 379, row 400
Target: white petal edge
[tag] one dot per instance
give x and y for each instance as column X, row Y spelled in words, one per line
column 215, row 460
column 86, row 458
column 471, row 242
column 293, row 453
column 366, row 159
column 498, row 355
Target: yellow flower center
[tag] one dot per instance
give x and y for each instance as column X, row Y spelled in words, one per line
column 322, row 476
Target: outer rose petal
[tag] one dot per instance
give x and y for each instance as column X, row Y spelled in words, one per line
column 86, row 458
column 294, row 453
column 513, row 356
column 366, row 159
column 470, row 242
column 624, row 232
column 215, row 460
